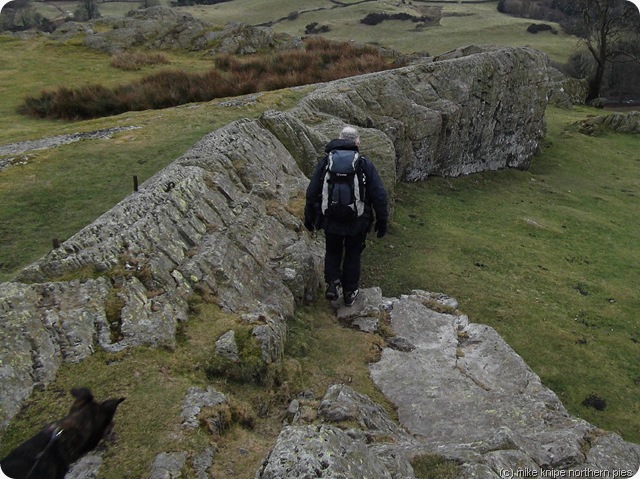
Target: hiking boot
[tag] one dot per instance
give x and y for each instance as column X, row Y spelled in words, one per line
column 332, row 290
column 350, row 297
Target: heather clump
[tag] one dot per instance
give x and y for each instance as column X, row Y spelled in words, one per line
column 320, row 61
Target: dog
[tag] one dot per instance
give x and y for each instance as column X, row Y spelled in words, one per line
column 50, row 453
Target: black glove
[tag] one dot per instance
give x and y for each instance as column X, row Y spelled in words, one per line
column 309, row 216
column 381, row 228
column 309, row 224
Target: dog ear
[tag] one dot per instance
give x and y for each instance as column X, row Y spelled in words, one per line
column 82, row 395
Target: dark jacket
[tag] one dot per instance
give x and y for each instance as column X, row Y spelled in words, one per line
column 375, row 197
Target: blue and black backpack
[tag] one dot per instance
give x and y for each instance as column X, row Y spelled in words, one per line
column 343, row 189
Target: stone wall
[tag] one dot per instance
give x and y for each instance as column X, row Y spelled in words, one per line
column 224, row 220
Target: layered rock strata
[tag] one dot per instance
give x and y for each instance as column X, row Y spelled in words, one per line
column 224, row 220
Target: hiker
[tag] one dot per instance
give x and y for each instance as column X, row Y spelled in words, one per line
column 343, row 193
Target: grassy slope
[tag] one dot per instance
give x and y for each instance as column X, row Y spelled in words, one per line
column 548, row 257
column 61, row 190
column 474, row 238
column 462, row 24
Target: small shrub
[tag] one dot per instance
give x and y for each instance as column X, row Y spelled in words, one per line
column 376, row 18
column 540, row 27
column 313, row 28
column 131, row 61
column 595, row 402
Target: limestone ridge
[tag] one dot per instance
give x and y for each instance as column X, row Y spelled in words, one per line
column 218, row 221
column 448, row 117
column 460, row 392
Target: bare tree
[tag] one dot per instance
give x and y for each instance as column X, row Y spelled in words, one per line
column 611, row 29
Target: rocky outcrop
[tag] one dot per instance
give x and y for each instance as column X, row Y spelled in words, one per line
column 451, row 117
column 461, row 393
column 171, row 29
column 224, row 220
column 7, row 151
column 618, row 122
column 568, row 91
column 217, row 222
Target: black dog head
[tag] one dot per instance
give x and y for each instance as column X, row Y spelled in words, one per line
column 88, row 421
column 49, row 453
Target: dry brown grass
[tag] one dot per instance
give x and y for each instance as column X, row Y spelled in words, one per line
column 130, row 61
column 320, row 61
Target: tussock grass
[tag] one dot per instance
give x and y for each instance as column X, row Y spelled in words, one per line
column 137, row 60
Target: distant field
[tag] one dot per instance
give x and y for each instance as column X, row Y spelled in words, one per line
column 462, row 23
column 30, row 66
column 53, row 10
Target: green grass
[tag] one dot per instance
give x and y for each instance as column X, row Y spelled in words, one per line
column 462, row 24
column 431, row 466
column 517, row 248
column 57, row 10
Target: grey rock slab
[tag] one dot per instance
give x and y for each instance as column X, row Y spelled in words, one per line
column 320, row 451
column 196, row 399
column 464, row 391
column 168, row 465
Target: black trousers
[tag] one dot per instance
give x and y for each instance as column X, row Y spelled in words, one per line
column 342, row 259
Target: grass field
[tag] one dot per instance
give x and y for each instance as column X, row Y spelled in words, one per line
column 30, row 66
column 461, row 24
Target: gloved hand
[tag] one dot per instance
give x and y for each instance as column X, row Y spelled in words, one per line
column 381, row 228
column 309, row 224
column 309, row 216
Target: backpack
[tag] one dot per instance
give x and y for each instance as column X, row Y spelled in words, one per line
column 343, row 188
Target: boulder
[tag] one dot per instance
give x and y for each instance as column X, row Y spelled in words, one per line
column 320, row 451
column 618, row 122
column 474, row 110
